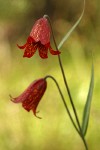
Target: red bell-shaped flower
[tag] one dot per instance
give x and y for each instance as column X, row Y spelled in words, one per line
column 39, row 39
column 31, row 97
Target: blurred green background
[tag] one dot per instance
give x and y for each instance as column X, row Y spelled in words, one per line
column 20, row 130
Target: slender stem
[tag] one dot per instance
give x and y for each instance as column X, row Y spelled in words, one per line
column 64, row 77
column 63, row 101
column 80, row 134
column 66, row 84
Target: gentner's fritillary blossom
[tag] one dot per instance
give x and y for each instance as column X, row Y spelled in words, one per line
column 31, row 97
column 39, row 38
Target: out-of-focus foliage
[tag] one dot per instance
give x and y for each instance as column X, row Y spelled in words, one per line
column 20, row 130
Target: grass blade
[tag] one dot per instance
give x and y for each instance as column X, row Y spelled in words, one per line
column 72, row 29
column 86, row 112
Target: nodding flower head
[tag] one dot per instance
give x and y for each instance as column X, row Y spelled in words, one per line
column 31, row 97
column 39, row 38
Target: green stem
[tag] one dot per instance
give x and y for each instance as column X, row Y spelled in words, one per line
column 80, row 133
column 64, row 77
column 66, row 84
column 63, row 101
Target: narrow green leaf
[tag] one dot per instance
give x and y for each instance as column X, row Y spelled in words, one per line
column 86, row 112
column 72, row 29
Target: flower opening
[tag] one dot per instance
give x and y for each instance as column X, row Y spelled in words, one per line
column 31, row 97
column 39, row 38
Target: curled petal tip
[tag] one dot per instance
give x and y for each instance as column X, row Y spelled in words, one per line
column 11, row 98
column 38, row 117
column 35, row 113
column 54, row 52
column 21, row 47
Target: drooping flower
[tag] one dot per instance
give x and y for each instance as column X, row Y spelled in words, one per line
column 31, row 97
column 39, row 38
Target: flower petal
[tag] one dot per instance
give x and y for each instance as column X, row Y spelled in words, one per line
column 27, row 104
column 22, row 47
column 43, row 51
column 41, row 31
column 30, row 51
column 54, row 52
column 31, row 97
column 30, row 40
